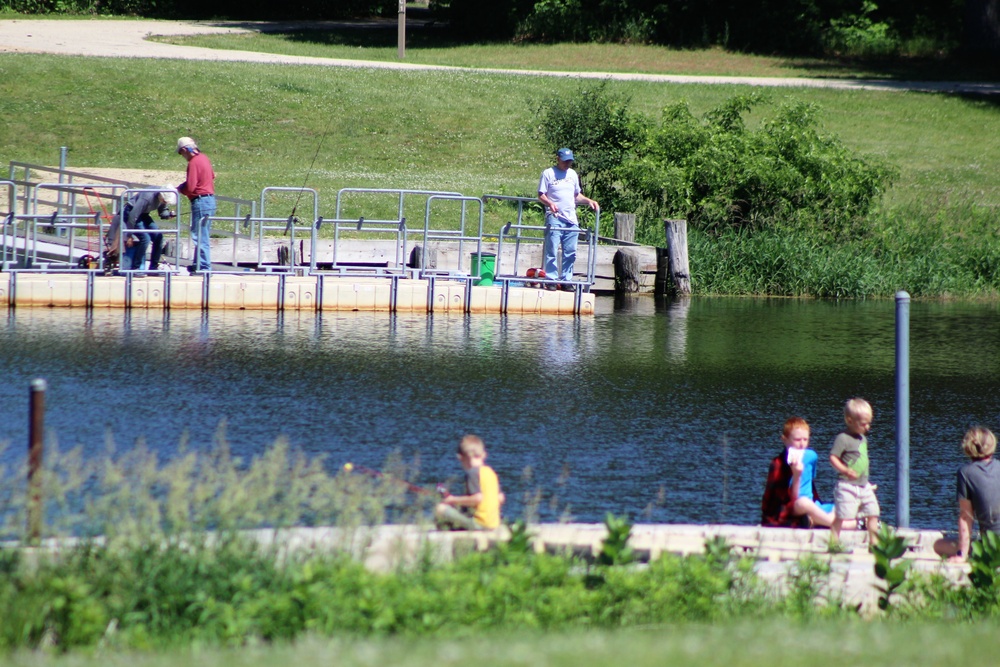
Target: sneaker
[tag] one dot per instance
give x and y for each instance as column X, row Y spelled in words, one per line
column 550, row 287
column 567, row 288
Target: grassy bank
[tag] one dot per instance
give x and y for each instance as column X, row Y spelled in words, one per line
column 775, row 644
column 471, row 132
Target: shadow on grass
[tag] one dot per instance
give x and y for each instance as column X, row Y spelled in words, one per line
column 946, row 68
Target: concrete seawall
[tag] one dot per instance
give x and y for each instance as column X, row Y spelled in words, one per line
column 776, row 550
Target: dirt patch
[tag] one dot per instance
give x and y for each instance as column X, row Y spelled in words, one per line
column 153, row 177
column 150, row 177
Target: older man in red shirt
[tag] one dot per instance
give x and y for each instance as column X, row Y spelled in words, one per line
column 200, row 189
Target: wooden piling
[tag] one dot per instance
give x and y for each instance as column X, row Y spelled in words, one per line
column 677, row 256
column 625, row 227
column 627, row 270
column 36, row 429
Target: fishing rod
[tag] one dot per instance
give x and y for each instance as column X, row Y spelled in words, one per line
column 305, row 180
column 441, row 489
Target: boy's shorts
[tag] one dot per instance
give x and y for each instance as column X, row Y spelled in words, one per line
column 451, row 518
column 851, row 500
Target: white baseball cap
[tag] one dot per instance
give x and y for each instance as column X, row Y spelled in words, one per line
column 185, row 142
column 169, row 196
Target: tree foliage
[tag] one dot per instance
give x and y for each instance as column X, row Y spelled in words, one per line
column 763, row 26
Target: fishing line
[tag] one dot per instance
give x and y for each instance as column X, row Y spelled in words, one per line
column 319, row 146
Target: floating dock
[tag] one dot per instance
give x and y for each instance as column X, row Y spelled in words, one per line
column 278, row 292
column 374, row 249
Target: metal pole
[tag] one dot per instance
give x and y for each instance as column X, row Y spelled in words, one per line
column 36, row 428
column 62, row 170
column 62, row 177
column 401, row 31
column 902, row 409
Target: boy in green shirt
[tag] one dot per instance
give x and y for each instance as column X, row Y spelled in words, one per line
column 854, row 494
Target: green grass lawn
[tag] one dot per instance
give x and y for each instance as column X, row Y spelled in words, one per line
column 471, row 132
column 768, row 644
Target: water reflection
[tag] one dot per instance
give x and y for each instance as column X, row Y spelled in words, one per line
column 666, row 411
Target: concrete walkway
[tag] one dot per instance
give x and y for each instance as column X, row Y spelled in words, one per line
column 128, row 39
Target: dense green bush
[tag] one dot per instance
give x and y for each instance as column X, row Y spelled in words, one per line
column 150, row 595
column 720, row 175
column 716, row 172
column 587, row 21
column 858, row 28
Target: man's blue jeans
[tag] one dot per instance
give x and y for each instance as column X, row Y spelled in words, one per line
column 136, row 255
column 202, row 210
column 560, row 233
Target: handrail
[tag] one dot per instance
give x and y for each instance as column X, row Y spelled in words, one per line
column 452, row 235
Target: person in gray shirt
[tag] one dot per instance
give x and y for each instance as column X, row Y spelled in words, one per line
column 136, row 214
column 978, row 492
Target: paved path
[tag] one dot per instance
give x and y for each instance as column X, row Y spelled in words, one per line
column 127, row 39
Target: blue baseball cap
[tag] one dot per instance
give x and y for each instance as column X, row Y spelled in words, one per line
column 565, row 154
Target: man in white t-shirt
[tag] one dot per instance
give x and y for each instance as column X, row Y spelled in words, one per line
column 559, row 191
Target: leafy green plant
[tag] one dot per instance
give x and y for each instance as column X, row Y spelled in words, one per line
column 984, row 562
column 808, row 581
column 888, row 549
column 615, row 549
column 721, row 175
column 859, row 35
column 520, row 543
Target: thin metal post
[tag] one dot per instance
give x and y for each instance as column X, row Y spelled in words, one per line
column 902, row 409
column 62, row 173
column 36, row 428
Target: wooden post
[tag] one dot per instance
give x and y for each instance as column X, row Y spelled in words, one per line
column 401, row 31
column 625, row 227
column 627, row 270
column 677, row 255
column 36, row 428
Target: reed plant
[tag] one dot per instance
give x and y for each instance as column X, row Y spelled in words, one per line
column 131, row 496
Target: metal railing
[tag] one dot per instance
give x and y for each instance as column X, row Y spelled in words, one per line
column 62, row 195
column 93, row 222
column 457, row 233
column 361, row 226
column 390, row 225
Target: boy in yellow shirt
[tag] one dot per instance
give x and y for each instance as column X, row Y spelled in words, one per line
column 479, row 508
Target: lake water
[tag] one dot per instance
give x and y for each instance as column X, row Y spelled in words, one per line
column 665, row 411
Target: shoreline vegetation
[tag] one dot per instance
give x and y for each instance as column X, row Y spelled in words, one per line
column 151, row 580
